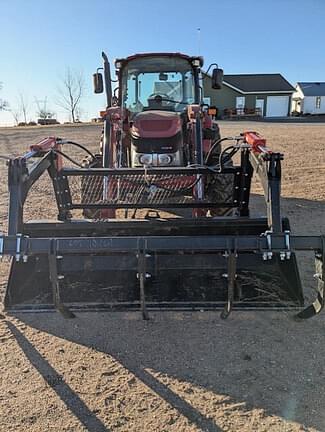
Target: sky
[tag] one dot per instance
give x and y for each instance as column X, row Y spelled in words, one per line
column 40, row 39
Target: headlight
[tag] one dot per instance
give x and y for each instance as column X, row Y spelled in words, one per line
column 145, row 159
column 164, row 159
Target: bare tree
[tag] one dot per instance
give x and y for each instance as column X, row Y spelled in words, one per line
column 23, row 106
column 42, row 110
column 3, row 103
column 16, row 115
column 20, row 108
column 71, row 91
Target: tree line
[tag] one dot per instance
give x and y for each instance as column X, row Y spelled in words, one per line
column 69, row 95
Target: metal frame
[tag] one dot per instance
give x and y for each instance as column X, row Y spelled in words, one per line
column 267, row 166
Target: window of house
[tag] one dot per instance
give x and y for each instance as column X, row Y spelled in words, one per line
column 318, row 100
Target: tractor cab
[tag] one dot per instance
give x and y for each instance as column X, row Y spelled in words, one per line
column 155, row 91
column 159, row 98
column 159, row 82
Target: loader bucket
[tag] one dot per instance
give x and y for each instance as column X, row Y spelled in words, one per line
column 102, row 276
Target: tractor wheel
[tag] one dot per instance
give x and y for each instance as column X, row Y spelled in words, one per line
column 219, row 188
column 91, row 188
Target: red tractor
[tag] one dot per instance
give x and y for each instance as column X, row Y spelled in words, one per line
column 156, row 119
column 189, row 241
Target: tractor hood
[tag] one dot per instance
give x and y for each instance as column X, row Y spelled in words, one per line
column 156, row 124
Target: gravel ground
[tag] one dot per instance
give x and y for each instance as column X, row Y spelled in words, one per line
column 257, row 371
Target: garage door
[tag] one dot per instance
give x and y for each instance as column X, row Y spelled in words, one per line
column 277, row 106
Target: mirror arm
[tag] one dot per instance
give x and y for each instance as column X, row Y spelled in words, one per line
column 206, row 73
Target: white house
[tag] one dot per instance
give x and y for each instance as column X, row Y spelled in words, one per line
column 309, row 98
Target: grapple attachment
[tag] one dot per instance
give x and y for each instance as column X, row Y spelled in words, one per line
column 187, row 263
column 179, row 265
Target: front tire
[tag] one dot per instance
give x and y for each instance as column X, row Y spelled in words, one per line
column 219, row 188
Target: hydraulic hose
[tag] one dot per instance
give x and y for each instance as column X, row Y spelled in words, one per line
column 214, row 145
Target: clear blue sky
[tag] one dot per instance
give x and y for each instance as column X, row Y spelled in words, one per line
column 38, row 39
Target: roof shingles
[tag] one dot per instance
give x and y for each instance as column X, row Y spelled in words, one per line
column 254, row 83
column 312, row 88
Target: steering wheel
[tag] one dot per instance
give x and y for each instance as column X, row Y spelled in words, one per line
column 158, row 97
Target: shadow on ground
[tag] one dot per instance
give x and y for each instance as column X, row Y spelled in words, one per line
column 264, row 360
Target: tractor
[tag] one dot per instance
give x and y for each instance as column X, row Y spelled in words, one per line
column 165, row 205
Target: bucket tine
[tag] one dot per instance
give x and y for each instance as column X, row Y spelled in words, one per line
column 319, row 303
column 55, row 282
column 231, row 276
column 142, row 275
column 145, row 315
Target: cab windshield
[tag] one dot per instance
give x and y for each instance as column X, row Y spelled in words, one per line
column 164, row 83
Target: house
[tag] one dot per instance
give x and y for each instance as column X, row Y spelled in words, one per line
column 309, row 98
column 268, row 95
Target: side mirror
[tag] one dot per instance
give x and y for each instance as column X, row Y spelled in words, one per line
column 217, row 77
column 98, row 83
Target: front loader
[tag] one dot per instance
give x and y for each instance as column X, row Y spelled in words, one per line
column 159, row 218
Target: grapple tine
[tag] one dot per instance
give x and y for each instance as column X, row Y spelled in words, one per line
column 316, row 307
column 142, row 276
column 55, row 282
column 144, row 310
column 231, row 276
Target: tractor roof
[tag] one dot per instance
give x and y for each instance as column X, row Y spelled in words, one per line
column 159, row 54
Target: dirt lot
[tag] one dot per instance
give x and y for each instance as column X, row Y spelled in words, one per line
column 179, row 371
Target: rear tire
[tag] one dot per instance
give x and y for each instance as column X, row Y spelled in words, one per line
column 219, row 188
